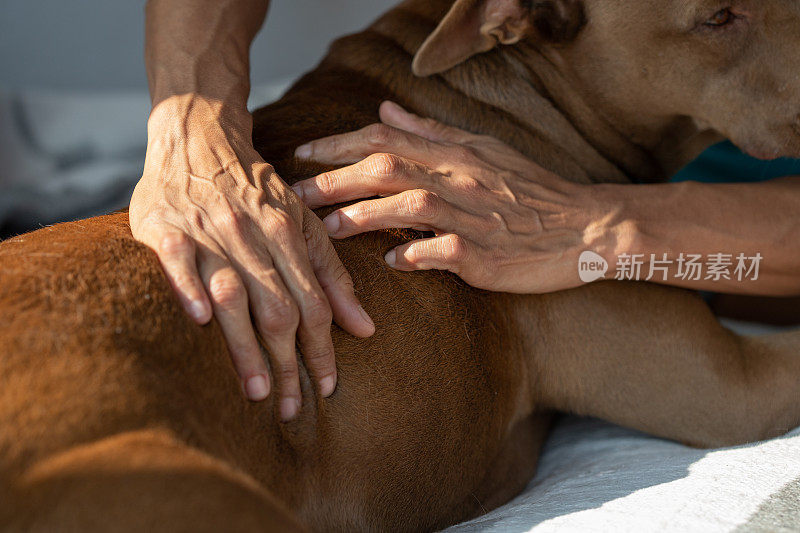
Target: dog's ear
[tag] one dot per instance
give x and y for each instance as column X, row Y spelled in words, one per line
column 470, row 27
column 475, row 26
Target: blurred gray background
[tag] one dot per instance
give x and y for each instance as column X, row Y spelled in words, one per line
column 74, row 103
column 98, row 44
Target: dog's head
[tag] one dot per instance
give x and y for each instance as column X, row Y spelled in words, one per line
column 732, row 66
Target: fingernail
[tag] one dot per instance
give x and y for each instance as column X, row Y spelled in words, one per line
column 289, row 408
column 400, row 109
column 332, row 223
column 257, row 388
column 365, row 316
column 393, row 105
column 391, row 258
column 303, row 152
column 197, row 310
column 327, row 385
column 298, row 190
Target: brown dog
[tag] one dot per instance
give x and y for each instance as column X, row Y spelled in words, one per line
column 117, row 412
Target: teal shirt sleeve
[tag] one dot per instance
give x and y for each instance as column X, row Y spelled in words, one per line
column 724, row 163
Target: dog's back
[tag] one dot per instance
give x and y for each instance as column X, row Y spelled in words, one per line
column 116, row 407
column 108, row 389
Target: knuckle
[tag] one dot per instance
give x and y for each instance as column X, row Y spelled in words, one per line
column 383, row 165
column 280, row 316
column 423, row 204
column 342, row 276
column 332, row 146
column 378, row 135
column 329, row 145
column 325, row 183
column 226, row 289
column 412, row 255
column 432, row 124
column 318, row 243
column 186, row 282
column 263, row 172
column 285, row 371
column 242, row 355
column 317, row 312
column 472, row 186
column 454, row 249
column 335, row 272
column 293, row 208
column 230, row 220
column 175, row 243
column 320, row 359
column 279, row 222
column 360, row 212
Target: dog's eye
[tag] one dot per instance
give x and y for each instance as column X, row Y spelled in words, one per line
column 721, row 18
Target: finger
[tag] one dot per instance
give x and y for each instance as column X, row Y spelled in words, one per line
column 393, row 115
column 336, row 282
column 444, row 252
column 418, row 209
column 348, row 148
column 277, row 318
column 230, row 303
column 316, row 317
column 177, row 254
column 377, row 175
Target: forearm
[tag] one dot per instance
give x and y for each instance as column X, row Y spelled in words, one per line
column 648, row 221
column 233, row 239
column 201, row 48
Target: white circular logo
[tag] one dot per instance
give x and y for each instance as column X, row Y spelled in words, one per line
column 591, row 267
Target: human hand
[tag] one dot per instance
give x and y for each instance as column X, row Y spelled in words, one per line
column 502, row 222
column 235, row 241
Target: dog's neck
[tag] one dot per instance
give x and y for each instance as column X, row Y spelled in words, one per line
column 538, row 110
column 644, row 153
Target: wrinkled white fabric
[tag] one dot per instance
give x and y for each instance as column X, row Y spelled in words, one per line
column 595, row 476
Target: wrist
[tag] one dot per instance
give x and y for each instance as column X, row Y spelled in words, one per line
column 192, row 135
column 615, row 225
column 198, row 108
column 205, row 83
column 197, row 117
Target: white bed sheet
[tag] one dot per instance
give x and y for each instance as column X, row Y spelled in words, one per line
column 597, row 477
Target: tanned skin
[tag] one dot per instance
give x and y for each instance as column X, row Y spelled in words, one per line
column 231, row 235
column 228, row 231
